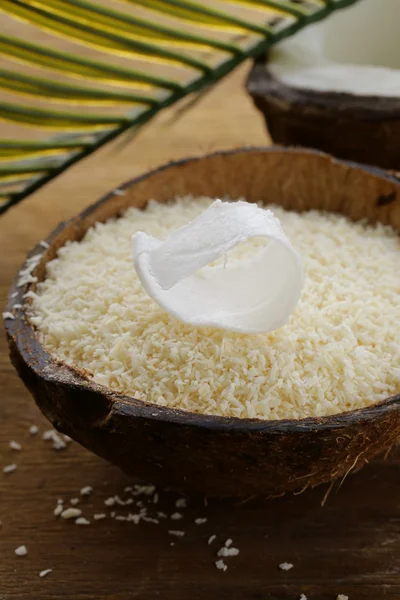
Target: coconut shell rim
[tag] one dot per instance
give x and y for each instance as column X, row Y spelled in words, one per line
column 52, row 370
column 261, row 82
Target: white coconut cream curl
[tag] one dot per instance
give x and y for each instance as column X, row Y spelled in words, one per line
column 252, row 296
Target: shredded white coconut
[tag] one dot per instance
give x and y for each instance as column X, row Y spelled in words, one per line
column 221, row 565
column 33, row 429
column 45, row 572
column 58, row 510
column 176, row 532
column 74, row 501
column 211, row 539
column 10, row 468
column 285, row 566
column 15, row 445
column 342, row 597
column 224, row 551
column 176, row 516
column 181, row 503
column 21, row 551
column 99, row 516
column 200, row 521
column 87, row 490
column 340, row 350
column 71, row 513
column 82, row 521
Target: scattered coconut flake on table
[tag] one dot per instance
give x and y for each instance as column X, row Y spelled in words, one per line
column 57, row 442
column 99, row 516
column 176, row 532
column 256, row 295
column 45, row 572
column 211, row 539
column 285, row 566
column 181, row 503
column 33, row 429
column 176, row 516
column 58, row 510
column 21, row 551
column 303, row 597
column 200, row 520
column 74, row 501
column 82, row 521
column 10, row 468
column 15, row 445
column 342, row 597
column 224, row 551
column 87, row 490
column 221, row 565
column 71, row 513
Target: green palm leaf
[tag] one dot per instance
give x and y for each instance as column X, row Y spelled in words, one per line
column 145, row 55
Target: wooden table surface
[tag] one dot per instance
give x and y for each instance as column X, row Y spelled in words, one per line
column 350, row 546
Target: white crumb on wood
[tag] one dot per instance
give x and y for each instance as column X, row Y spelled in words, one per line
column 44, row 244
column 71, row 513
column 15, row 446
column 228, row 542
column 285, row 566
column 74, row 501
column 181, row 503
column 176, row 516
column 33, row 429
column 99, row 516
column 109, row 501
column 10, row 468
column 58, row 510
column 221, row 565
column 176, row 532
column 45, row 572
column 21, row 551
column 82, row 521
column 87, row 490
column 211, row 539
column 224, row 551
column 342, row 597
column 200, row 520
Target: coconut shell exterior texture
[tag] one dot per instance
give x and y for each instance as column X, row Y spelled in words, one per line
column 207, row 454
column 363, row 129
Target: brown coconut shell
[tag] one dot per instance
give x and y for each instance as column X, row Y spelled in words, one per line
column 365, row 129
column 193, row 452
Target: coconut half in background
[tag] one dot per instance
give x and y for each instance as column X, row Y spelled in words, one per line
column 335, row 85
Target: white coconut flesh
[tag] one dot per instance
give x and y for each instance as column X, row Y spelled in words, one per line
column 355, row 51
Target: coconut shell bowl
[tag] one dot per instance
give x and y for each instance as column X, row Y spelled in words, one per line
column 209, row 454
column 335, row 86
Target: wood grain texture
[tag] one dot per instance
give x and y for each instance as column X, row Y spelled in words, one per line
column 351, row 546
